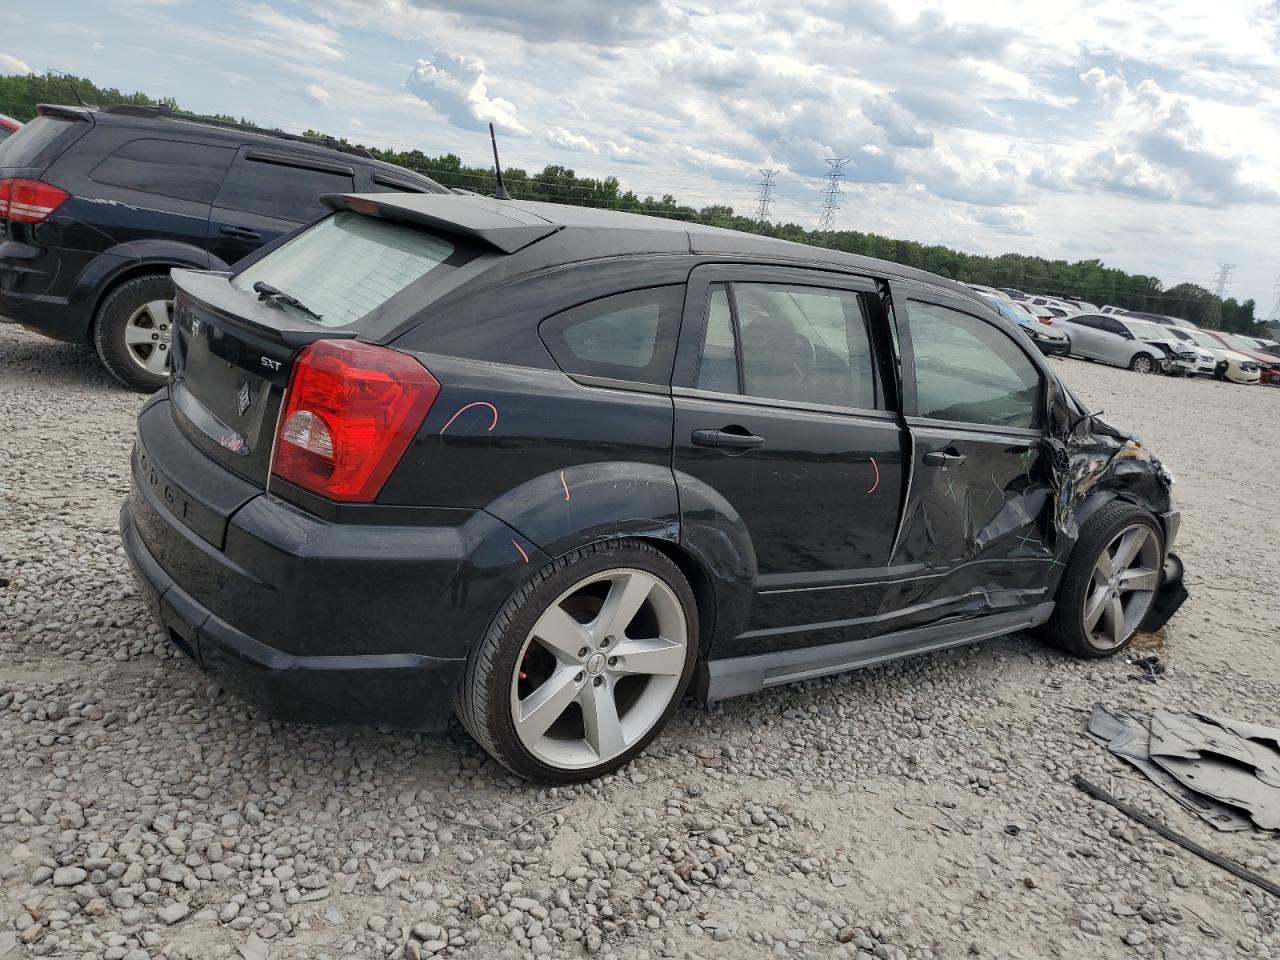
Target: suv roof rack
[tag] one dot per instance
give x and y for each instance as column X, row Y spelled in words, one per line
column 165, row 111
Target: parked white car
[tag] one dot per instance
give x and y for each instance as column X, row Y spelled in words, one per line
column 1113, row 310
column 1228, row 364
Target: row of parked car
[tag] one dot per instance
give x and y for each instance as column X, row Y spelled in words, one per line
column 1143, row 342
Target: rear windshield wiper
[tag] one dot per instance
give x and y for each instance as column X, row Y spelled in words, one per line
column 267, row 292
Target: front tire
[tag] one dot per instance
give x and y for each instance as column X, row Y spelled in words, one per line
column 1110, row 582
column 1142, row 363
column 584, row 664
column 133, row 332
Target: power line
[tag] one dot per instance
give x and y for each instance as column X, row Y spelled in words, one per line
column 1222, row 280
column 831, row 196
column 764, row 199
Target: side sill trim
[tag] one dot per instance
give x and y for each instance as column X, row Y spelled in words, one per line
column 735, row 676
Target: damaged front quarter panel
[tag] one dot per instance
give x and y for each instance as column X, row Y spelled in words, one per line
column 1092, row 463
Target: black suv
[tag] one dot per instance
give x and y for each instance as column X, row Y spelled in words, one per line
column 97, row 205
column 553, row 463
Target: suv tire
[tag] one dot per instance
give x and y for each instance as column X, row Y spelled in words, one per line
column 603, row 705
column 124, row 316
column 1101, row 602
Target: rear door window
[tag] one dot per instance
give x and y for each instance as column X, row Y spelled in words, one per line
column 279, row 188
column 628, row 336
column 969, row 371
column 171, row 168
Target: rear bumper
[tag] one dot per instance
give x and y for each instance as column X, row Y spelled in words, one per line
column 364, row 619
column 411, row 691
column 36, row 290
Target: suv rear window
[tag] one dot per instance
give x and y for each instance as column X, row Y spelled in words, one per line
column 40, row 141
column 347, row 265
column 171, row 168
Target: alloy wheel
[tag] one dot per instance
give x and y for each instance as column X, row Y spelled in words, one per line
column 148, row 334
column 1141, row 364
column 1124, row 582
column 599, row 668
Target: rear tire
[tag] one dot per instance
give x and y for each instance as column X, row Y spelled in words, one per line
column 1101, row 603
column 561, row 689
column 133, row 331
column 1142, row 363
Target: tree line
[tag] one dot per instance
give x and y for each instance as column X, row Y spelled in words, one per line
column 1089, row 280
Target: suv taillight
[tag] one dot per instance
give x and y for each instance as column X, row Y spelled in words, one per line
column 350, row 412
column 29, row 201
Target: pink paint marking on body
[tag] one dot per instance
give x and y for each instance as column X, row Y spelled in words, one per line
column 877, row 483
column 521, row 549
column 565, row 485
column 475, row 403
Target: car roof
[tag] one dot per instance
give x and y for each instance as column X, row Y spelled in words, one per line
column 511, row 225
column 226, row 132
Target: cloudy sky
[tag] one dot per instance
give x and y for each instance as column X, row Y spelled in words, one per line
column 1145, row 134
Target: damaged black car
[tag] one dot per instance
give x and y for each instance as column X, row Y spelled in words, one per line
column 550, row 468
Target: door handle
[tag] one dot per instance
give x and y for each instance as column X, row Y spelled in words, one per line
column 734, row 437
column 243, row 233
column 944, row 458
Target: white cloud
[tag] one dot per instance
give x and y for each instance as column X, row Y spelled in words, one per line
column 316, row 94
column 457, row 88
column 560, row 137
column 293, row 36
column 11, row 64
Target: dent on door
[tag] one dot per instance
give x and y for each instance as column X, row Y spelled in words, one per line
column 977, row 524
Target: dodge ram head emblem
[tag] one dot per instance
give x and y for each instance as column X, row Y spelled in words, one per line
column 243, row 399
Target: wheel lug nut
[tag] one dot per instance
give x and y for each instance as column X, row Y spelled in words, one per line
column 582, row 652
column 605, row 642
column 579, row 678
column 599, row 681
column 613, row 661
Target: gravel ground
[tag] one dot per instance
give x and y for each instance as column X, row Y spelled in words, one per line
column 918, row 810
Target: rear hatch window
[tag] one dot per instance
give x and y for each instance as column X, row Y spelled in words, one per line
column 40, row 142
column 345, row 267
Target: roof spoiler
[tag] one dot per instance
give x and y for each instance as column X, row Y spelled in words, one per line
column 500, row 225
column 64, row 112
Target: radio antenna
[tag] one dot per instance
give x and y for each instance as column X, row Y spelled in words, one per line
column 501, row 192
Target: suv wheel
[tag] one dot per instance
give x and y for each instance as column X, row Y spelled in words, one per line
column 133, row 331
column 1142, row 363
column 1110, row 581
column 584, row 664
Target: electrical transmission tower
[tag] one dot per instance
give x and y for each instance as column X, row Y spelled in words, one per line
column 1221, row 282
column 1275, row 308
column 764, row 199
column 831, row 196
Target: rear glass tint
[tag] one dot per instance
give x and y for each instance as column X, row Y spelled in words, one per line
column 171, row 168
column 40, row 141
column 347, row 265
column 628, row 336
column 280, row 190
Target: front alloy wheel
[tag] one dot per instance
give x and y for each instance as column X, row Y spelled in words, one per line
column 1110, row 581
column 1142, row 364
column 584, row 664
column 1125, row 579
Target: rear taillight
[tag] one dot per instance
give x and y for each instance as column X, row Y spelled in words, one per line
column 29, row 201
column 350, row 412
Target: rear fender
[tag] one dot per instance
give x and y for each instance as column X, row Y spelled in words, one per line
column 126, row 260
column 588, row 503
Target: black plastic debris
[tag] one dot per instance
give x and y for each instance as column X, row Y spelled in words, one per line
column 1152, row 667
column 1224, row 771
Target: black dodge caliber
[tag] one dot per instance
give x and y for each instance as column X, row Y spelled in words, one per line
column 552, row 467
